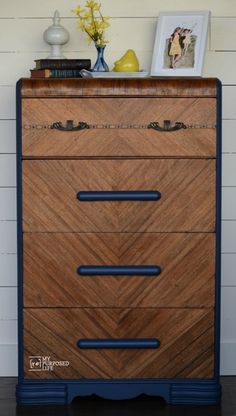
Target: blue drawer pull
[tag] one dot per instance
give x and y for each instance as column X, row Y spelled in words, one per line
column 142, row 343
column 119, row 270
column 119, row 196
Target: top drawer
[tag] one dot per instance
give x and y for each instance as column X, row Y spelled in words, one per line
column 118, row 127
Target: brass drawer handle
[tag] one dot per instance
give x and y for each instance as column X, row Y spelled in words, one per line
column 83, row 125
column 141, row 343
column 167, row 126
column 119, row 270
column 119, row 196
column 70, row 126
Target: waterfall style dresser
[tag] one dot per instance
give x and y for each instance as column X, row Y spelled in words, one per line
column 119, row 239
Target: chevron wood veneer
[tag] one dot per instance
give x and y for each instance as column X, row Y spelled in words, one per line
column 186, row 336
column 187, row 201
column 119, row 142
column 186, row 260
column 154, row 334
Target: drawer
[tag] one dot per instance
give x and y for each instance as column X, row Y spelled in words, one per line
column 179, row 195
column 128, row 119
column 52, row 278
column 118, row 343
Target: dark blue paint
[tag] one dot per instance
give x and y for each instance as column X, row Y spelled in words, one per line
column 119, row 196
column 19, row 230
column 195, row 392
column 119, row 270
column 218, row 229
column 142, row 343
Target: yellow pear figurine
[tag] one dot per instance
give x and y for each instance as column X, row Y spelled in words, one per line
column 127, row 63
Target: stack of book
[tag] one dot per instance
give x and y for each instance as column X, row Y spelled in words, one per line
column 59, row 68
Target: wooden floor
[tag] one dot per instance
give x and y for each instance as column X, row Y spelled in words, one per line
column 99, row 407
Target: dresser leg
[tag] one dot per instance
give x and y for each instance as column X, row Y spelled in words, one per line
column 202, row 392
column 41, row 393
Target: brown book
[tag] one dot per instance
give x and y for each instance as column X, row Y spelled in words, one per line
column 41, row 73
column 55, row 73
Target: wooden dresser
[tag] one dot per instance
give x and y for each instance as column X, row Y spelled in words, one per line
column 119, row 239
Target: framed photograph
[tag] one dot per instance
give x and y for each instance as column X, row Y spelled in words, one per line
column 180, row 44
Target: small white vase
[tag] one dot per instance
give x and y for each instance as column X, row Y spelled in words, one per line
column 56, row 36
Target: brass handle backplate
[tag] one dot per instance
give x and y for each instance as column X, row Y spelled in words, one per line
column 70, row 126
column 167, row 126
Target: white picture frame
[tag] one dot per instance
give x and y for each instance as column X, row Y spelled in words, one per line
column 180, row 43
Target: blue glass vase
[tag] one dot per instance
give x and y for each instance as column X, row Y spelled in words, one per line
column 100, row 64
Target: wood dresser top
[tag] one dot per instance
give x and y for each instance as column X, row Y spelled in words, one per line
column 132, row 87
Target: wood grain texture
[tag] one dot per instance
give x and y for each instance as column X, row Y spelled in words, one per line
column 186, row 279
column 187, row 203
column 158, row 87
column 119, row 142
column 176, row 232
column 186, row 336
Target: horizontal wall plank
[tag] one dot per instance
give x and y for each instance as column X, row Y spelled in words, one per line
column 228, row 136
column 8, row 360
column 7, row 102
column 229, row 99
column 228, row 330
column 220, row 65
column 229, row 203
column 25, row 8
column 7, row 136
column 229, row 237
column 8, row 237
column 228, row 267
column 15, row 66
column 8, row 331
column 227, row 359
column 7, row 204
column 7, row 170
column 8, row 303
column 223, row 32
column 8, row 269
column 18, row 38
column 229, row 170
column 228, row 313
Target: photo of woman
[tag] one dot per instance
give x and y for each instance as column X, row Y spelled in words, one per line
column 175, row 50
column 180, row 47
column 186, row 40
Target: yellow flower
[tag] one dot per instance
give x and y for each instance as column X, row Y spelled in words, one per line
column 92, row 22
column 78, row 10
column 93, row 5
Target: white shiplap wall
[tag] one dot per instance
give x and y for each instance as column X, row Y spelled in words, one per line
column 133, row 25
